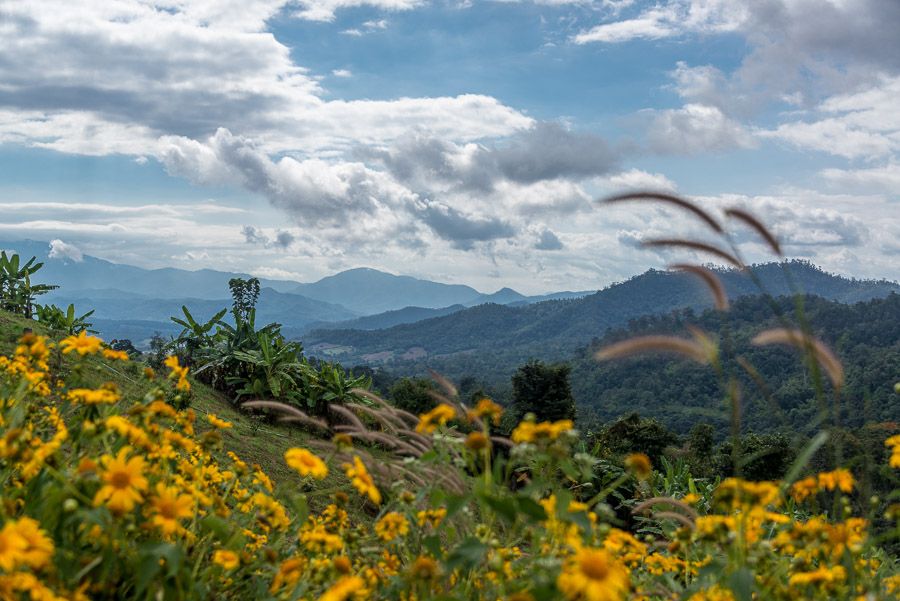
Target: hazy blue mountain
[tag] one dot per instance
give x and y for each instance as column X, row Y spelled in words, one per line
column 504, row 296
column 370, row 291
column 389, row 318
column 577, row 321
column 528, row 300
column 95, row 275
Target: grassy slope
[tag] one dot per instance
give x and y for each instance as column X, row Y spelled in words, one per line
column 251, row 442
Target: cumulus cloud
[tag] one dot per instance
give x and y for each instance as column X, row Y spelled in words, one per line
column 543, row 151
column 637, row 179
column 861, row 124
column 108, row 78
column 461, row 230
column 62, row 250
column 803, row 218
column 876, row 179
column 254, row 235
column 548, row 241
column 694, row 129
column 311, row 191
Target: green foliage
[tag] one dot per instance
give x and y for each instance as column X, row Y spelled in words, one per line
column 681, row 393
column 245, row 293
column 763, row 457
column 543, row 390
column 635, row 434
column 195, row 335
column 414, row 395
column 272, row 369
column 16, row 290
column 63, row 321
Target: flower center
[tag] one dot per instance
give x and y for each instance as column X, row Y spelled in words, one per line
column 594, row 568
column 120, row 480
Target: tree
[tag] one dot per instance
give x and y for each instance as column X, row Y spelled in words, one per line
column 244, row 293
column 543, row 390
column 635, row 434
column 413, row 395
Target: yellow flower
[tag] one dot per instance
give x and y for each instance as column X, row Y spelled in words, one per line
column 124, row 482
column 288, row 573
column 532, row 432
column 639, row 465
column 486, row 408
column 345, row 588
column 391, row 526
column 216, row 422
column 476, row 441
column 169, row 507
column 360, row 478
column 178, row 372
column 423, row 569
column 802, row 489
column 106, row 395
column 432, row 517
column 39, row 548
column 82, row 344
column 227, row 559
column 306, row 463
column 840, row 478
column 593, row 575
column 118, row 355
column 12, row 547
column 440, row 415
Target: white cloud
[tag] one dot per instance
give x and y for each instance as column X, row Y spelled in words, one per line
column 877, row 179
column 636, row 179
column 323, row 10
column 861, row 124
column 341, row 73
column 61, row 250
column 653, row 24
column 695, row 129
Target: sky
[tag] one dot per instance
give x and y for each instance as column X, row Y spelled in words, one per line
column 461, row 141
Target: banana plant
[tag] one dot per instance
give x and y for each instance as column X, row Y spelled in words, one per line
column 329, row 384
column 274, row 369
column 57, row 319
column 16, row 289
column 195, row 338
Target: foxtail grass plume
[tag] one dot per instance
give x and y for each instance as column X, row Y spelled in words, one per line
column 655, row 344
column 804, row 342
column 708, row 278
column 697, row 246
column 757, row 225
column 668, row 198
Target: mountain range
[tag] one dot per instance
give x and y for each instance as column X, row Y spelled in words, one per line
column 570, row 322
column 134, row 303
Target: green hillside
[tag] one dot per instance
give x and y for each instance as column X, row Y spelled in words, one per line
column 568, row 323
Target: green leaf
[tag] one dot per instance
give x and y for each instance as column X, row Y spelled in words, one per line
column 741, row 584
column 217, row 526
column 454, row 504
column 504, row 508
column 532, row 508
column 433, row 544
column 805, row 455
column 467, row 554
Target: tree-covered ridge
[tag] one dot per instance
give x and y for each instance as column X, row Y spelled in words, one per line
column 681, row 394
column 577, row 321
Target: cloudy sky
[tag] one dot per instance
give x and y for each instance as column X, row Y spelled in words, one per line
column 463, row 141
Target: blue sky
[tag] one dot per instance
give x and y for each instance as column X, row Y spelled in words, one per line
column 464, row 142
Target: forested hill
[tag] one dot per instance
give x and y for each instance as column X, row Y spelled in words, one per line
column 681, row 394
column 577, row 321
